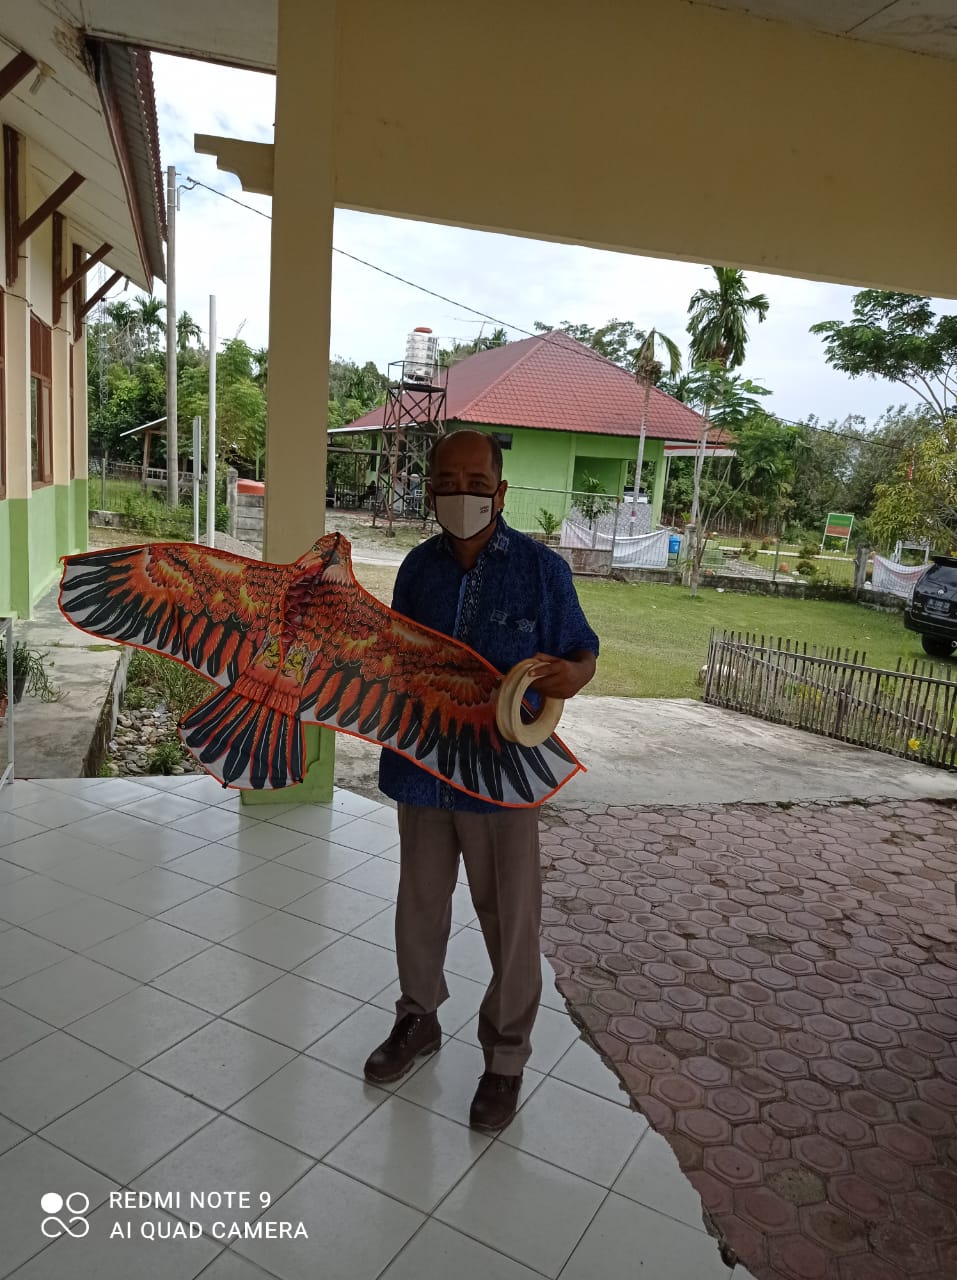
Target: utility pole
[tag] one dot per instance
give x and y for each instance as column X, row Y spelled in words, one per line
column 172, row 435
column 211, row 419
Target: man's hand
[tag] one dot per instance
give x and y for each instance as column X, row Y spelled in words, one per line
column 563, row 677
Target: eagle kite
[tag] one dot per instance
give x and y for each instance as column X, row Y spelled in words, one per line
column 304, row 643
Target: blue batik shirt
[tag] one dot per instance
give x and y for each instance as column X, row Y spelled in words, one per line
column 517, row 600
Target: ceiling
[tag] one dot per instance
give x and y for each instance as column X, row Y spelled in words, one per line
column 248, row 38
column 920, row 26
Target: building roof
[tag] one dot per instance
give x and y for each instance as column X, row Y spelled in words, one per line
column 553, row 383
column 88, row 108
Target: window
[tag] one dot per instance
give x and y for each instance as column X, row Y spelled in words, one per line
column 504, row 438
column 41, row 426
column 3, row 407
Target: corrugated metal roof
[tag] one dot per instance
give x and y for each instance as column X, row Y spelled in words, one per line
column 124, row 78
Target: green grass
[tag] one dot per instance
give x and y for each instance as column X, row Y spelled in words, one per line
column 654, row 639
column 117, row 492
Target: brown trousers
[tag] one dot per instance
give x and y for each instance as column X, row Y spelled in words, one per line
column 502, row 864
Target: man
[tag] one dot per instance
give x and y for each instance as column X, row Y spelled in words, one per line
column 509, row 598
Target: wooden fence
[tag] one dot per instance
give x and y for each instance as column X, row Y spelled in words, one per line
column 910, row 712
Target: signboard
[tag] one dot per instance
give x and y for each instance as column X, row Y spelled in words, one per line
column 837, row 526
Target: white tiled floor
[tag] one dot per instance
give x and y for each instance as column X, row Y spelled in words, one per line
column 188, row 991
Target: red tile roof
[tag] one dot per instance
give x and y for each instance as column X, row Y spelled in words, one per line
column 553, row 383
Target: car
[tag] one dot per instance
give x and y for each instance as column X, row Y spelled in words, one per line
column 932, row 611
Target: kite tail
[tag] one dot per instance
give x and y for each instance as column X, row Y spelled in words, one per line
column 244, row 744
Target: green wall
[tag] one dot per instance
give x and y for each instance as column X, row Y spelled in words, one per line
column 34, row 533
column 557, row 460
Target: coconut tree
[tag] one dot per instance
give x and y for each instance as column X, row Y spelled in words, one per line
column 718, row 325
column 149, row 314
column 187, row 331
column 648, row 371
column 719, row 317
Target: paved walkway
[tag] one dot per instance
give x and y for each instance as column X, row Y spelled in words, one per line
column 187, row 994
column 777, row 987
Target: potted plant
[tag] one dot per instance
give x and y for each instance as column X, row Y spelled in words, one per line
column 29, row 673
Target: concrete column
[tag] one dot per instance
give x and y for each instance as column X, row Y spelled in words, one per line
column 657, row 456
column 300, row 292
column 17, row 362
column 232, row 498
column 15, row 594
column 60, row 435
column 81, row 482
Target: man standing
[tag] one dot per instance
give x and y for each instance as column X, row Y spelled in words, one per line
column 509, row 598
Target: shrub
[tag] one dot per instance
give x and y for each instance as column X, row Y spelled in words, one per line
column 747, row 546
column 548, row 522
column 766, row 544
column 806, row 568
column 152, row 680
column 808, row 550
column 165, row 757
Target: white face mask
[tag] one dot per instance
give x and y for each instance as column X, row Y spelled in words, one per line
column 463, row 515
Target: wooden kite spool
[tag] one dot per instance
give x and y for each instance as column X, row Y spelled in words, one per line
column 508, row 709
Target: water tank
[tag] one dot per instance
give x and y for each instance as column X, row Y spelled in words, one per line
column 421, row 354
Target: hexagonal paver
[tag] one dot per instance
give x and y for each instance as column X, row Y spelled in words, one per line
column 834, row 1230
column 861, row 1197
column 777, row 988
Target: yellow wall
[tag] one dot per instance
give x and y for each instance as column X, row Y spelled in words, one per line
column 656, row 126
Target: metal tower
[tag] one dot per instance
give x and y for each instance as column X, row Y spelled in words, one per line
column 413, row 419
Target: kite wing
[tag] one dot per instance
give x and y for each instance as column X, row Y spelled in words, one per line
column 431, row 699
column 305, row 643
column 209, row 609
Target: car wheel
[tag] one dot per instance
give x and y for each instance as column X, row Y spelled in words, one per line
column 937, row 647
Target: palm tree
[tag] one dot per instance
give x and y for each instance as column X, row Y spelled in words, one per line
column 126, row 330
column 648, row 371
column 187, row 330
column 151, row 320
column 718, row 326
column 719, row 318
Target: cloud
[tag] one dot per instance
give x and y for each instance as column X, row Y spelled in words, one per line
column 223, row 249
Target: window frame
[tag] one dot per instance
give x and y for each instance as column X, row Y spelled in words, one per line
column 41, row 397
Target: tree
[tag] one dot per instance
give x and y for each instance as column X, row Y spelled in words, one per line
column 718, row 322
column 718, row 325
column 893, row 336
column 727, row 401
column 648, row 370
column 151, row 320
column 240, row 403
column 187, row 331
column 261, row 367
column 462, row 350
column 617, row 340
column 920, row 502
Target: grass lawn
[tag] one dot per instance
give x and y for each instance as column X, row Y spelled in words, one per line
column 655, row 638
column 117, row 491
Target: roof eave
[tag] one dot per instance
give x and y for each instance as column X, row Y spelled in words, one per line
column 124, row 82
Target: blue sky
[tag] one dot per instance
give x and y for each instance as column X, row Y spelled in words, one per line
column 224, row 250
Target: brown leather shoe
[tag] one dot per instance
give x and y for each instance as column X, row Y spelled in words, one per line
column 411, row 1037
column 495, row 1101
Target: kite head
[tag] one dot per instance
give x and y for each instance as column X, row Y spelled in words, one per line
column 329, row 559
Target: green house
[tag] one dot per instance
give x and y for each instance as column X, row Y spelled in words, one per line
column 566, row 418
column 83, row 211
